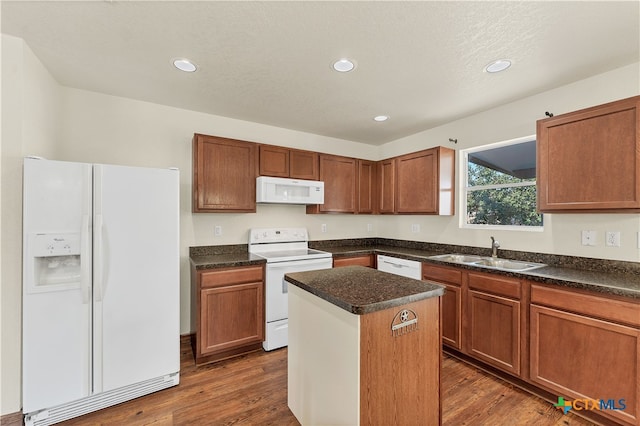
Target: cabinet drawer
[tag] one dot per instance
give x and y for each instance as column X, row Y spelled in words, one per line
column 492, row 284
column 356, row 260
column 230, row 276
column 627, row 312
column 438, row 273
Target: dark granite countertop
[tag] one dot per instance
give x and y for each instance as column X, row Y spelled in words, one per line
column 609, row 279
column 598, row 275
column 362, row 290
column 212, row 257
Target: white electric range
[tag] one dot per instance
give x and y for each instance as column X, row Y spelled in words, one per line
column 286, row 250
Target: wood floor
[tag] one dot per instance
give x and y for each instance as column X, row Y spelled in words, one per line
column 252, row 390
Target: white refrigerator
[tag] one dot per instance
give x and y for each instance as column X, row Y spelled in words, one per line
column 100, row 312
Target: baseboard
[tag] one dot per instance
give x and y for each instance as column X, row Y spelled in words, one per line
column 186, row 338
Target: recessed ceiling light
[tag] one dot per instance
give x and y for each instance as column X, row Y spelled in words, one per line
column 381, row 118
column 344, row 65
column 497, row 66
column 184, row 65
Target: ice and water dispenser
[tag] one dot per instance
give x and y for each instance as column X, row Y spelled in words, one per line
column 55, row 262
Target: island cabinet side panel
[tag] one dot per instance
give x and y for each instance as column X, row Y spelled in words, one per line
column 400, row 369
column 322, row 360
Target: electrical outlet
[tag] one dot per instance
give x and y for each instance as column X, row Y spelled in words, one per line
column 415, row 228
column 613, row 238
column 638, row 238
column 217, row 230
column 588, row 238
column 369, row 227
column 323, row 228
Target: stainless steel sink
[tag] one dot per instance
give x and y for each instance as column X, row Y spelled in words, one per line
column 489, row 262
column 457, row 258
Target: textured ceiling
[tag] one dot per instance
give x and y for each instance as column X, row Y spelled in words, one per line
column 421, row 63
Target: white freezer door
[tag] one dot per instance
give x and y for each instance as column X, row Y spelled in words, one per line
column 136, row 275
column 55, row 318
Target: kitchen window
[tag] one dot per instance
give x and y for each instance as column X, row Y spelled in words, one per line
column 499, row 186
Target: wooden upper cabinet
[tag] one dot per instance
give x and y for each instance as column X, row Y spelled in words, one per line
column 589, row 160
column 367, row 187
column 339, row 175
column 274, row 161
column 303, row 164
column 425, row 182
column 386, row 186
column 288, row 163
column 224, row 174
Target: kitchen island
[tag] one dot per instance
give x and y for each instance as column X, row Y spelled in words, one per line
column 364, row 348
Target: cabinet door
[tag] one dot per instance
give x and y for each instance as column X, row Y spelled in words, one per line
column 590, row 159
column 224, row 175
column 231, row 316
column 340, row 179
column 451, row 278
column 580, row 357
column 494, row 330
column 425, row 182
column 366, row 186
column 386, row 186
column 303, row 164
column 274, row 161
column 452, row 316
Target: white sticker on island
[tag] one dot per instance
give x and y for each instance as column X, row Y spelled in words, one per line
column 405, row 321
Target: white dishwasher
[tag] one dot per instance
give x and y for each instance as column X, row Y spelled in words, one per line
column 404, row 267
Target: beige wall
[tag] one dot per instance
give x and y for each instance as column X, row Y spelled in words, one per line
column 75, row 125
column 562, row 232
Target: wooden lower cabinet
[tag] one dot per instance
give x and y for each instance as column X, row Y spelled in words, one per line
column 230, row 312
column 451, row 323
column 452, row 316
column 581, row 357
column 574, row 344
column 494, row 330
column 366, row 260
column 493, row 315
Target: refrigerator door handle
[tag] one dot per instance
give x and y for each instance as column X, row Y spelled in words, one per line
column 85, row 257
column 98, row 264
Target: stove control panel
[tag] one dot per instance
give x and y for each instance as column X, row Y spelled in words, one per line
column 277, row 235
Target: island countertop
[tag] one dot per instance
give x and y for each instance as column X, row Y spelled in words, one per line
column 360, row 290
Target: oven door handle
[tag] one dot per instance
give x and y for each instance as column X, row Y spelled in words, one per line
column 285, row 286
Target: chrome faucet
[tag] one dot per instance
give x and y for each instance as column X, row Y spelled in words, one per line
column 494, row 247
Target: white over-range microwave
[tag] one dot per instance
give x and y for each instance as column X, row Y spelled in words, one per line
column 289, row 191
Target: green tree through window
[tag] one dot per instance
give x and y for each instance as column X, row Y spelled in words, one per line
column 495, row 195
